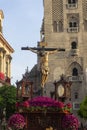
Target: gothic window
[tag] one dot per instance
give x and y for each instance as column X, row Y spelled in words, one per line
column 71, row 4
column 76, row 95
column 57, row 26
column 74, row 45
column 73, row 24
column 85, row 25
column 60, row 26
column 71, row 1
column 75, row 72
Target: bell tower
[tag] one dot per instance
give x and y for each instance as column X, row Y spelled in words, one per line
column 65, row 25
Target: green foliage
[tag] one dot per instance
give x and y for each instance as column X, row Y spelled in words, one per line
column 83, row 109
column 8, row 99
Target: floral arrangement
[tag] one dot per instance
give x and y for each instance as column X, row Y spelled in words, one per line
column 16, row 122
column 23, row 104
column 44, row 104
column 68, row 108
column 2, row 76
column 70, row 121
column 45, row 101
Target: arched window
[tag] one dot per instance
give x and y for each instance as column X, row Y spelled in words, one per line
column 74, row 45
column 75, row 72
column 72, row 4
column 60, row 26
column 76, row 95
column 71, row 1
column 55, row 26
column 73, row 24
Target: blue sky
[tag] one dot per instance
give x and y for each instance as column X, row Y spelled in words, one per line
column 21, row 27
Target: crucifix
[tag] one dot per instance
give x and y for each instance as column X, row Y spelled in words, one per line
column 43, row 53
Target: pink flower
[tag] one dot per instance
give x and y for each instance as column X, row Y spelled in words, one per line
column 16, row 121
column 25, row 104
column 22, row 104
column 17, row 104
column 70, row 121
column 59, row 104
column 45, row 101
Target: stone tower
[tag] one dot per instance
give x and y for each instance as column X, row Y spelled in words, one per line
column 65, row 26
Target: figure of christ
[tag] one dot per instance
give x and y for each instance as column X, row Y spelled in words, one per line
column 43, row 54
column 44, row 68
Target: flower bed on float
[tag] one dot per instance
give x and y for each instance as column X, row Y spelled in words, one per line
column 44, row 104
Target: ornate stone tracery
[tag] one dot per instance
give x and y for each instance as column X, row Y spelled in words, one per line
column 73, row 22
column 84, row 9
column 74, row 65
column 57, row 15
